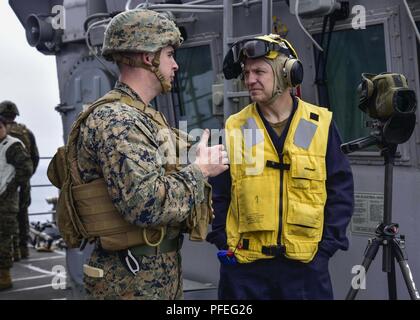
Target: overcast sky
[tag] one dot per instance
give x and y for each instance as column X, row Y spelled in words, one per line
column 29, row 78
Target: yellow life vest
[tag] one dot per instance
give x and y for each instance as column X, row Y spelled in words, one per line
column 267, row 187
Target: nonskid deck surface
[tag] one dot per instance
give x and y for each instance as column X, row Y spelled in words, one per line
column 42, row 276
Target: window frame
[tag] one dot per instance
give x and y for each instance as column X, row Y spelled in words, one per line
column 165, row 102
column 415, row 48
column 211, row 39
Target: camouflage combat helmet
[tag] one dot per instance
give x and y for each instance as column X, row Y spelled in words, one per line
column 8, row 108
column 140, row 30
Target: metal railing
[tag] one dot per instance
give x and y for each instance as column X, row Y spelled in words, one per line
column 50, row 212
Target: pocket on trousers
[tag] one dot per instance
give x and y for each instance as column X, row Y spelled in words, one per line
column 116, row 280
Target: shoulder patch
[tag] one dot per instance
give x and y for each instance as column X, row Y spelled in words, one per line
column 304, row 133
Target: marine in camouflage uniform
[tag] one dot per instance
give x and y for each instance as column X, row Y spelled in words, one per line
column 16, row 156
column 9, row 110
column 121, row 143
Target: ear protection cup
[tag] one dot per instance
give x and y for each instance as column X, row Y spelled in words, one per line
column 293, row 72
column 231, row 69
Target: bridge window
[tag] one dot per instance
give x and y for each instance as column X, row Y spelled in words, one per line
column 195, row 79
column 351, row 53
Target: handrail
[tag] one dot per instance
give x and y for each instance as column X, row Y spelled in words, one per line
column 52, row 213
column 41, row 185
column 41, row 213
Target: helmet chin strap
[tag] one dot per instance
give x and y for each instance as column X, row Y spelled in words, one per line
column 137, row 63
column 166, row 84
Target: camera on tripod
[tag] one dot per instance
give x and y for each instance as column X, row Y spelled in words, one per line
column 387, row 99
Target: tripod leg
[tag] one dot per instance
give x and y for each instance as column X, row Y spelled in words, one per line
column 392, row 282
column 370, row 253
column 405, row 270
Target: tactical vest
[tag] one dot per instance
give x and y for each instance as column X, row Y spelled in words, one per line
column 85, row 210
column 272, row 192
column 7, row 171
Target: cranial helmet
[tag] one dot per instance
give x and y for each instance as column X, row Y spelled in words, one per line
column 273, row 48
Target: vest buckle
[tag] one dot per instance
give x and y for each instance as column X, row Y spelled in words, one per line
column 277, row 165
column 275, row 251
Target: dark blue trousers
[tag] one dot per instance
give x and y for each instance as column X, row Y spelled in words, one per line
column 277, row 279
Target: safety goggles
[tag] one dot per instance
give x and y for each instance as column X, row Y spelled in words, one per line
column 251, row 48
column 256, row 48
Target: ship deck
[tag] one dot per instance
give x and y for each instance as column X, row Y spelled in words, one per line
column 42, row 276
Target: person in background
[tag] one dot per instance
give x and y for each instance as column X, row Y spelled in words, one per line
column 9, row 111
column 15, row 168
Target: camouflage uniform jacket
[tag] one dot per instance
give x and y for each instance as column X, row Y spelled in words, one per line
column 119, row 142
column 17, row 156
